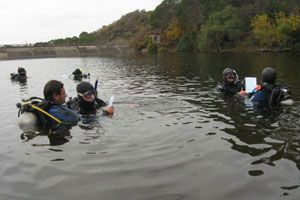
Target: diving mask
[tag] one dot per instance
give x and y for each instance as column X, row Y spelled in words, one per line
column 88, row 94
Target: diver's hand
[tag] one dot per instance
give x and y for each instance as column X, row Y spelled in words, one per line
column 243, row 93
column 110, row 110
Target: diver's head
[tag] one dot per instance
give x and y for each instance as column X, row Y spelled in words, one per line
column 86, row 91
column 22, row 71
column 268, row 75
column 229, row 75
column 77, row 71
column 54, row 91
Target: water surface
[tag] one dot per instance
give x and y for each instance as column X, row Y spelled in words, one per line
column 172, row 137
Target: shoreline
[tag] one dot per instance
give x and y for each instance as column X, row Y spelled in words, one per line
column 64, row 51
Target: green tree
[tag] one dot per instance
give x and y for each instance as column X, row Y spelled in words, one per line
column 185, row 44
column 223, row 28
column 160, row 17
column 288, row 30
column 152, row 48
column 125, row 28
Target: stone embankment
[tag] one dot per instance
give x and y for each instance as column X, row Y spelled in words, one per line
column 64, row 51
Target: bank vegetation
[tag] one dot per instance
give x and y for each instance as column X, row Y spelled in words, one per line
column 204, row 25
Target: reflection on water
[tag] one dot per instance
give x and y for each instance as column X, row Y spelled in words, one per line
column 171, row 137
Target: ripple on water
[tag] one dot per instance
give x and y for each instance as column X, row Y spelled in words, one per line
column 180, row 140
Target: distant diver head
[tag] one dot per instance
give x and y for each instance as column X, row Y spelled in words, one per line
column 77, row 71
column 268, row 75
column 230, row 75
column 21, row 71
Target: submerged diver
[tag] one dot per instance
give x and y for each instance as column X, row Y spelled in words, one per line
column 231, row 84
column 78, row 75
column 269, row 95
column 86, row 103
column 20, row 76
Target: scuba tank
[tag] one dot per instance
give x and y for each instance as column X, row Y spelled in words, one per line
column 28, row 109
column 279, row 94
column 275, row 95
column 28, row 122
column 47, row 115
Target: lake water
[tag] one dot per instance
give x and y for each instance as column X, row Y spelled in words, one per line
column 171, row 137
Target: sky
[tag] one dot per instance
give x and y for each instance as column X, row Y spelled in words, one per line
column 31, row 21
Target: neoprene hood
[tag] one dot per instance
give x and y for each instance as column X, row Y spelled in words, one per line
column 84, row 87
column 268, row 75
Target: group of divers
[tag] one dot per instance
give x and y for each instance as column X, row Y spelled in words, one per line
column 268, row 95
column 53, row 114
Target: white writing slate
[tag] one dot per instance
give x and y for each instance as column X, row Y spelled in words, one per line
column 250, row 83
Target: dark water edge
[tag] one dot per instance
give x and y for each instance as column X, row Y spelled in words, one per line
column 182, row 141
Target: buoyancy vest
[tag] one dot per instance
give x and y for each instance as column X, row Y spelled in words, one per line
column 64, row 114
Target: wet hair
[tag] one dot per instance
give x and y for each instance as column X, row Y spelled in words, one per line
column 268, row 75
column 52, row 87
column 84, row 87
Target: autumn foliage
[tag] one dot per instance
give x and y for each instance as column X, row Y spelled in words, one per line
column 279, row 32
column 200, row 25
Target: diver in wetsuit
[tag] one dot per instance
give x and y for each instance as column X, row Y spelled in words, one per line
column 48, row 115
column 78, row 75
column 54, row 93
column 231, row 84
column 20, row 76
column 270, row 94
column 86, row 103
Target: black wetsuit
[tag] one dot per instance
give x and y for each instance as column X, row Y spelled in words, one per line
column 78, row 75
column 84, row 107
column 230, row 88
column 18, row 77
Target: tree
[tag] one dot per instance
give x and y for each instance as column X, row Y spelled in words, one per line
column 159, row 18
column 185, row 44
column 141, row 39
column 223, row 28
column 288, row 29
column 189, row 15
column 174, row 31
column 264, row 30
column 152, row 48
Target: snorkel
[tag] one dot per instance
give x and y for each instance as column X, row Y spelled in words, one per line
column 96, row 85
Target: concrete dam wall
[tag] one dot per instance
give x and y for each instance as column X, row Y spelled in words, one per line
column 63, row 51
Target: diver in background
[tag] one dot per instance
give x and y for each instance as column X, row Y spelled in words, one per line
column 86, row 103
column 231, row 84
column 78, row 75
column 20, row 76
